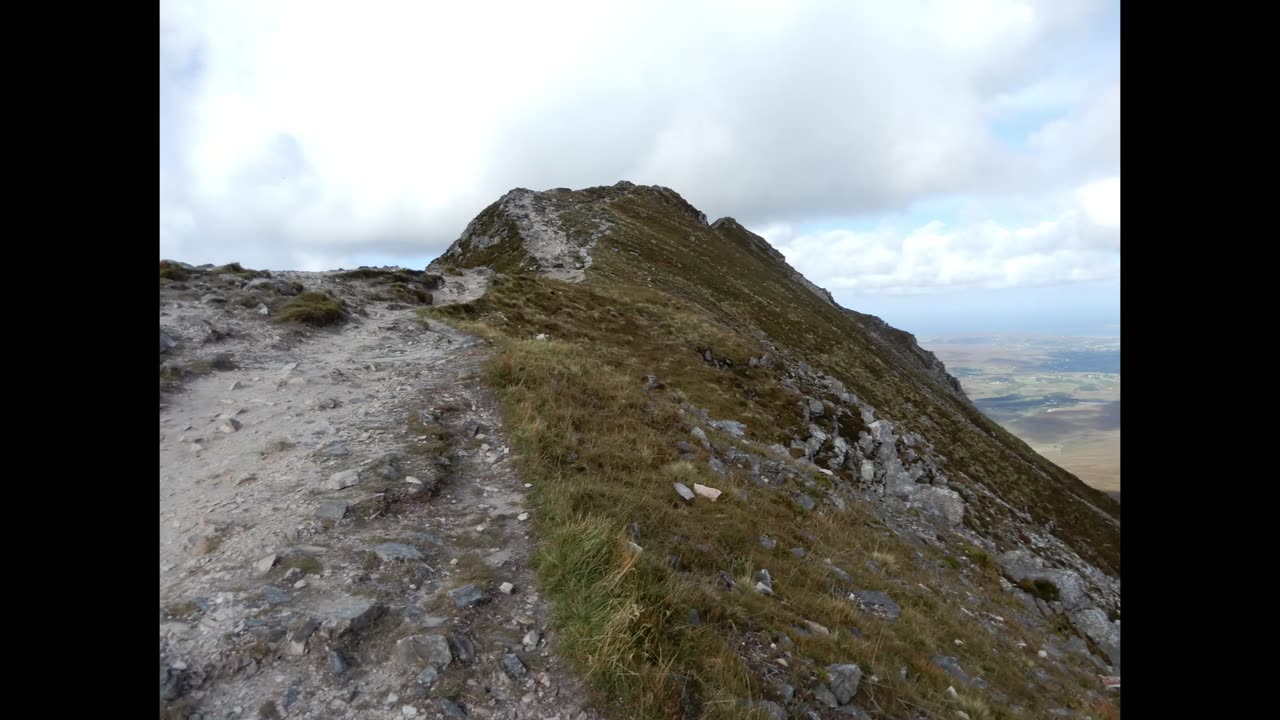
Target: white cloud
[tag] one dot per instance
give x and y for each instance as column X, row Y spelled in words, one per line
column 298, row 131
column 1079, row 243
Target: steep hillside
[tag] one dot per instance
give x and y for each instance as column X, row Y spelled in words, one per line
column 753, row 500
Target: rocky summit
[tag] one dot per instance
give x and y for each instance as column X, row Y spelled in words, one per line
column 603, row 459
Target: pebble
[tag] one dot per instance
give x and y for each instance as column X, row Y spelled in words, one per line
column 531, row 639
column 409, row 711
column 522, row 516
column 506, row 588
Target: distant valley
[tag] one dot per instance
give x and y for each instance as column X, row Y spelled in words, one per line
column 1059, row 394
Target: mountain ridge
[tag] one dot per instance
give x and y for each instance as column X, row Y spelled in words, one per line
column 611, row 274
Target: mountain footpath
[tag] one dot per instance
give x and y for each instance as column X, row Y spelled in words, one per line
column 342, row 534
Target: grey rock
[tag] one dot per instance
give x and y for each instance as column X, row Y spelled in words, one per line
column 343, row 479
column 868, row 471
column 876, row 603
column 450, row 710
column 939, row 501
column 337, row 663
column 716, row 466
column 694, row 619
column 763, row 578
column 335, row 449
column 881, row 431
column 844, row 681
column 333, row 510
column 274, row 595
column 733, row 427
column 463, row 649
column 788, row 693
column 767, row 361
column 531, row 639
column 683, row 491
column 825, row 696
column 815, row 407
column 172, row 683
column 427, row 677
column 951, row 666
column 844, row 576
column 431, row 649
column 701, row 436
column 265, row 564
column 768, row 543
column 512, row 666
column 853, row 711
column 1105, row 634
column 298, row 639
column 771, row 709
column 397, row 551
column 353, row 614
column 805, row 502
column 212, row 298
column 166, row 342
column 290, row 697
column 799, row 552
column 684, row 446
column 468, row 595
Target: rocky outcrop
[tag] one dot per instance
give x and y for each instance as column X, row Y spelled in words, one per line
column 903, row 345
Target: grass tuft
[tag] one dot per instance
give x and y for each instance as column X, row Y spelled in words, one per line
column 312, row 308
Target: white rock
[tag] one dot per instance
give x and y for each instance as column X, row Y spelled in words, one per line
column 265, row 564
column 506, row 588
column 541, row 336
column 951, row 691
column 707, row 492
column 409, row 711
column 523, row 516
column 344, row 479
column 530, row 640
column 1042, row 654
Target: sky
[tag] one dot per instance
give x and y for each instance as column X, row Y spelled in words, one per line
column 947, row 165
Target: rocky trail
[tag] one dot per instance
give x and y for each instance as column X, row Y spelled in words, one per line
column 342, row 533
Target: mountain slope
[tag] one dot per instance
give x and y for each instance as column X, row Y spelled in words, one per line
column 681, row 351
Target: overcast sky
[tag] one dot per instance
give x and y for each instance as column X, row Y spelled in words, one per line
column 951, row 166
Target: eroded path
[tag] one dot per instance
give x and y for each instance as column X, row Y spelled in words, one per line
column 339, row 522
